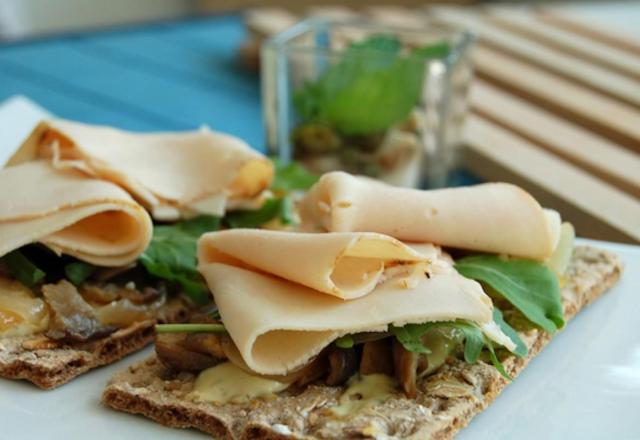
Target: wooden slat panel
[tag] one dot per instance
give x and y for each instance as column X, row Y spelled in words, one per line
column 332, row 12
column 302, row 6
column 615, row 85
column 597, row 209
column 565, row 21
column 594, row 154
column 396, row 16
column 525, row 23
column 612, row 119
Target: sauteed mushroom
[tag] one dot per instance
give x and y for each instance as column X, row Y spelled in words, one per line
column 406, row 365
column 206, row 343
column 173, row 352
column 73, row 319
column 377, row 357
column 312, row 371
column 343, row 363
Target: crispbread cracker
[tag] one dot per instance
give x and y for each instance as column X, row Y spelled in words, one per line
column 446, row 401
column 47, row 365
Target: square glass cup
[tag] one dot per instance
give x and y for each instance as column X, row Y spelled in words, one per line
column 380, row 101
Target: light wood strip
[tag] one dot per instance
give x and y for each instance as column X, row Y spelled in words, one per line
column 396, row 16
column 593, row 153
column 596, row 112
column 596, row 209
column 564, row 20
column 615, row 85
column 266, row 22
column 332, row 12
column 525, row 23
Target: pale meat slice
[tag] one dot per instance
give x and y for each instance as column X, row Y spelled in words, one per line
column 278, row 325
column 492, row 217
column 347, row 265
column 93, row 220
column 173, row 175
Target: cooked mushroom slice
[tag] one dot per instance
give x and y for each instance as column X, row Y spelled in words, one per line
column 73, row 319
column 172, row 352
column 147, row 295
column 377, row 357
column 99, row 294
column 343, row 363
column 314, row 370
column 109, row 292
column 406, row 365
column 124, row 312
column 206, row 343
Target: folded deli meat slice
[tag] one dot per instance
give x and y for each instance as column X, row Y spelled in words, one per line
column 279, row 325
column 93, row 220
column 346, row 265
column 492, row 217
column 172, row 174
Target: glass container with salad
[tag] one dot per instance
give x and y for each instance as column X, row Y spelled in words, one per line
column 354, row 96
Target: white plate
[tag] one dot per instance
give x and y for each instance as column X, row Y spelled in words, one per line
column 585, row 384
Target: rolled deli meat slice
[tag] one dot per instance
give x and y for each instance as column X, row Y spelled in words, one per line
column 491, row 217
column 279, row 323
column 90, row 219
column 173, row 175
column 346, row 265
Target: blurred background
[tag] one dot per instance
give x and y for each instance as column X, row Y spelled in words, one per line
column 552, row 104
column 26, row 18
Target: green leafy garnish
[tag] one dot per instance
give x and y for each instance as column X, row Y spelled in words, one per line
column 521, row 349
column 190, row 328
column 289, row 177
column 528, row 285
column 196, row 226
column 345, row 341
column 367, row 92
column 22, row 269
column 78, row 271
column 495, row 361
column 278, row 207
column 171, row 255
column 410, row 336
column 292, row 177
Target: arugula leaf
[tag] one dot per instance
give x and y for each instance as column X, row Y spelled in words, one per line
column 22, row 269
column 292, row 176
column 171, row 255
column 346, row 341
column 366, row 92
column 279, row 207
column 496, row 362
column 528, row 285
column 521, row 349
column 286, row 210
column 199, row 225
column 78, row 271
column 474, row 342
column 410, row 336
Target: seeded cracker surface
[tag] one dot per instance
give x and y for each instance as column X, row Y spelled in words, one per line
column 48, row 365
column 446, row 401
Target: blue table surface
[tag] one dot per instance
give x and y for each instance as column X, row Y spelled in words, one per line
column 160, row 77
